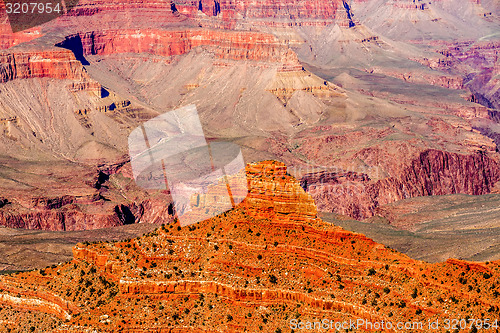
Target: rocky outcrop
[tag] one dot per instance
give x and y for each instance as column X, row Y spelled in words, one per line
column 286, row 84
column 33, row 304
column 289, row 202
column 441, row 79
column 432, row 173
column 38, row 300
column 59, row 64
column 477, row 62
column 83, row 213
column 100, row 206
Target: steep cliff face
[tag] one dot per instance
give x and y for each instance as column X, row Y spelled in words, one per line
column 432, row 173
column 180, row 39
column 224, row 44
column 20, row 65
column 67, row 64
column 289, row 202
column 231, row 13
column 245, row 270
column 57, row 64
column 97, row 204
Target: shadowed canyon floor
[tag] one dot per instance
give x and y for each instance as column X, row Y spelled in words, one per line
column 254, row 268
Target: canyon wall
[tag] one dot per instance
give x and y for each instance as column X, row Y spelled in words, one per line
column 477, row 62
column 433, row 173
column 60, row 64
column 55, row 63
column 231, row 13
column 224, row 44
column 97, row 206
column 84, row 214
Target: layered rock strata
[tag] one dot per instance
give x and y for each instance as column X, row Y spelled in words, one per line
column 477, row 62
column 99, row 204
column 224, row 44
column 56, row 64
column 246, row 270
column 432, row 173
column 232, row 13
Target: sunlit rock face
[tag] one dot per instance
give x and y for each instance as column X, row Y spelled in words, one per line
column 267, row 258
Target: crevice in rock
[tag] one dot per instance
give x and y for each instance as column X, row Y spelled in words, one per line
column 75, row 45
column 349, row 14
column 125, row 215
column 216, row 8
column 173, row 8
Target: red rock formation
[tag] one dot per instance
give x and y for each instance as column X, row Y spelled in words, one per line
column 34, row 304
column 96, row 207
column 291, row 203
column 224, row 44
column 46, row 301
column 57, row 64
column 230, row 13
column 248, row 268
column 477, row 62
column 432, row 173
column 60, row 64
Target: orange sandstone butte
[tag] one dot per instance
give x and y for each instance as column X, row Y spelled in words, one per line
column 255, row 268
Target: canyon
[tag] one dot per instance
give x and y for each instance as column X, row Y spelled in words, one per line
column 432, row 173
column 369, row 130
column 116, row 77
column 225, row 45
column 234, row 14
